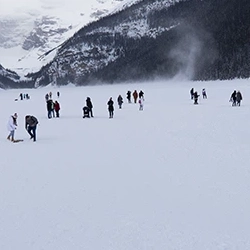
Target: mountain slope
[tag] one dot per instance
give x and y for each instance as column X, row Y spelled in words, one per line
column 31, row 28
column 195, row 39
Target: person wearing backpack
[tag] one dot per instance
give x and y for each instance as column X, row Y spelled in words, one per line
column 30, row 125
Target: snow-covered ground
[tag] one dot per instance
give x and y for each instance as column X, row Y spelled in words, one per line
column 174, row 176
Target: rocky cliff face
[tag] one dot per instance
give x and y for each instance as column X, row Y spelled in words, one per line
column 8, row 78
column 30, row 30
column 196, row 39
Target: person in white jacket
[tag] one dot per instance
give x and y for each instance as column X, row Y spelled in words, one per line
column 141, row 104
column 12, row 126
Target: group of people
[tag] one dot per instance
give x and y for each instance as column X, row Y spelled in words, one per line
column 135, row 96
column 53, row 108
column 24, row 96
column 88, row 108
column 30, row 125
column 195, row 96
column 236, row 98
column 31, row 121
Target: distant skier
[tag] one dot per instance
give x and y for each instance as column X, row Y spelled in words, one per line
column 47, row 97
column 129, row 96
column 120, row 101
column 233, row 98
column 85, row 112
column 58, row 94
column 192, row 93
column 21, row 96
column 90, row 106
column 57, row 108
column 195, row 97
column 30, row 125
column 12, row 126
column 110, row 107
column 135, row 95
column 204, row 94
column 238, row 98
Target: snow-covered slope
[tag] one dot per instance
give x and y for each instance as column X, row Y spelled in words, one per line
column 29, row 28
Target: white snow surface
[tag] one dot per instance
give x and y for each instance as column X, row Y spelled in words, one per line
column 173, row 176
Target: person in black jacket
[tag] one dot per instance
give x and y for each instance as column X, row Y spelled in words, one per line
column 192, row 93
column 141, row 95
column 196, row 96
column 110, row 107
column 120, row 101
column 50, row 108
column 233, row 98
column 30, row 125
column 85, row 112
column 129, row 96
column 238, row 98
column 90, row 106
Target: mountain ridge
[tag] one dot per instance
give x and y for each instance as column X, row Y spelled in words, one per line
column 197, row 40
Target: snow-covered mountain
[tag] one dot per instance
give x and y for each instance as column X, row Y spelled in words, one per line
column 142, row 39
column 29, row 28
column 198, row 40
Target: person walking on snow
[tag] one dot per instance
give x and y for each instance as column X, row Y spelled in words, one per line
column 50, row 107
column 204, row 94
column 120, row 101
column 57, row 108
column 90, row 106
column 233, row 98
column 135, row 95
column 30, row 125
column 238, row 98
column 110, row 107
column 129, row 96
column 141, row 104
column 12, row 126
column 141, row 95
column 192, row 93
column 195, row 97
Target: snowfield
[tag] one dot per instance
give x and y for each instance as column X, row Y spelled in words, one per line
column 174, row 176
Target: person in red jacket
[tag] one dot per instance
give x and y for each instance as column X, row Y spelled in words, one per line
column 135, row 95
column 57, row 108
